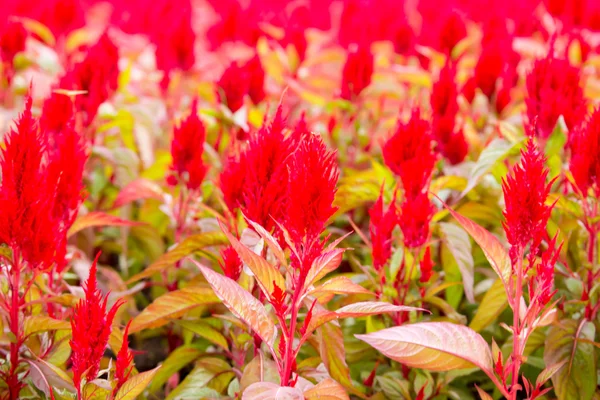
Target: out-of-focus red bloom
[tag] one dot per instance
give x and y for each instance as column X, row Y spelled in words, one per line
column 585, row 158
column 409, row 154
column 91, row 325
column 381, row 226
column 124, row 363
column 230, row 263
column 61, row 16
column 455, row 148
column 57, row 113
column 12, row 40
column 313, row 175
column 415, row 216
column 233, row 86
column 554, row 89
column 97, row 74
column 453, row 30
column 255, row 179
column 443, row 25
column 525, row 193
column 187, row 148
column 256, row 76
column 357, row 72
column 426, row 265
column 581, row 14
column 234, row 23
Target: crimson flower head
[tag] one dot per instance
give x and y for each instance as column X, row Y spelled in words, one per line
column 124, row 363
column 357, row 72
column 455, row 148
column 525, row 193
column 235, row 23
column 256, row 76
column 554, row 89
column 381, row 226
column 233, row 86
column 97, row 74
column 12, row 40
column 60, row 16
column 187, row 148
column 585, row 158
column 426, row 265
column 443, row 25
column 91, row 325
column 409, row 154
column 57, row 113
column 255, row 178
column 231, row 263
column 313, row 175
column 415, row 217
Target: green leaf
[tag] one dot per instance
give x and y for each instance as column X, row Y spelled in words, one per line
column 494, row 302
column 434, row 346
column 333, row 353
column 204, row 330
column 188, row 246
column 496, row 151
column 172, row 305
column 459, row 245
column 135, row 385
column 178, row 359
column 195, row 384
column 576, row 379
column 41, row 323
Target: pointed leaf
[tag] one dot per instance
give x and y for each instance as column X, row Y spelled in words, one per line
column 204, row 330
column 496, row 151
column 492, row 248
column 494, row 302
column 188, row 246
column 96, row 219
column 172, row 305
column 333, row 353
column 483, row 395
column 177, row 359
column 435, row 346
column 242, row 304
column 135, row 385
column 327, row 389
column 323, row 265
column 41, row 323
column 270, row 240
column 340, row 285
column 459, row 245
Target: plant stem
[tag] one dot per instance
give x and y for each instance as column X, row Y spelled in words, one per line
column 516, row 353
column 14, row 386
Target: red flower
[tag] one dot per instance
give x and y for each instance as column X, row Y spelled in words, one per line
column 12, row 40
column 525, row 193
column 455, row 148
column 585, row 159
column 415, row 216
column 256, row 76
column 443, row 26
column 357, row 72
column 409, row 154
column 234, row 23
column 97, row 74
column 255, row 179
column 554, row 89
column 57, row 113
column 233, row 86
column 231, row 264
column 313, row 175
column 61, row 16
column 124, row 363
column 543, row 280
column 453, row 30
column 426, row 265
column 381, row 226
column 187, row 148
column 91, row 325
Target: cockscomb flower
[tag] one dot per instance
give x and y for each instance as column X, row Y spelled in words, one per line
column 233, row 86
column 255, row 178
column 542, row 285
column 525, row 193
column 91, row 325
column 97, row 74
column 60, row 16
column 256, row 76
column 57, row 113
column 415, row 217
column 381, row 227
column 554, row 89
column 455, row 148
column 230, row 263
column 357, row 72
column 443, row 25
column 12, row 41
column 585, row 155
column 124, row 363
column 187, row 148
column 426, row 266
column 409, row 154
column 235, row 23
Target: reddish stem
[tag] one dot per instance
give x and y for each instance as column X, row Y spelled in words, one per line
column 14, row 385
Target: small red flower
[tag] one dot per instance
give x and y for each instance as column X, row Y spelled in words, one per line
column 409, row 154
column 357, row 72
column 187, row 148
column 91, row 325
column 230, row 263
column 256, row 75
column 57, row 113
column 12, row 40
column 415, row 216
column 381, row 226
column 525, row 193
column 124, row 363
column 426, row 265
column 278, row 300
column 585, row 159
column 233, row 86
column 554, row 89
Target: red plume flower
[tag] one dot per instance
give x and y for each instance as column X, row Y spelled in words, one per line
column 525, row 193
column 57, row 113
column 585, row 159
column 415, row 217
column 357, row 72
column 12, row 41
column 231, row 263
column 91, row 325
column 256, row 75
column 543, row 280
column 233, row 86
column 426, row 265
column 409, row 154
column 381, row 226
column 124, row 363
column 554, row 89
column 187, row 148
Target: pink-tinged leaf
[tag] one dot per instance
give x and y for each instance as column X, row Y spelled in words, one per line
column 323, row 265
column 340, row 285
column 242, row 304
column 483, row 395
column 96, row 219
column 333, row 353
column 270, row 240
column 434, row 346
column 139, row 189
column 492, row 248
column 266, row 274
column 327, row 389
column 271, row 391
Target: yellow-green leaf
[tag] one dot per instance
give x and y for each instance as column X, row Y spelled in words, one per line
column 494, row 302
column 135, row 385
